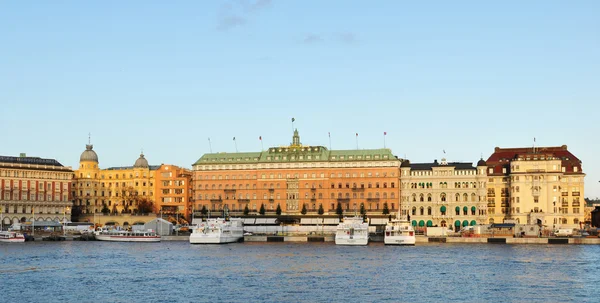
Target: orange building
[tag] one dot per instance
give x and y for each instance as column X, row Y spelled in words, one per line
column 173, row 190
column 298, row 176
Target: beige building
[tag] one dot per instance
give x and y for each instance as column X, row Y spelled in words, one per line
column 535, row 185
column 120, row 189
column 31, row 186
column 443, row 194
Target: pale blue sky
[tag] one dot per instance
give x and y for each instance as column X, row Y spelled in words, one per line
column 460, row 76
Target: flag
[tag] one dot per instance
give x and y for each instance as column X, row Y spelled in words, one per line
column 357, row 134
column 260, row 138
column 329, row 133
column 533, row 139
column 385, row 133
column 293, row 119
column 233, row 138
column 444, row 151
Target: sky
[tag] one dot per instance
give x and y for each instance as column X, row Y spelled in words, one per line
column 163, row 77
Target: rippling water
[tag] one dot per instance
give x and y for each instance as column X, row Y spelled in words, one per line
column 310, row 272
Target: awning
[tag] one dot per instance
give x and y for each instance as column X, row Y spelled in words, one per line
column 465, row 209
column 473, row 223
column 465, row 223
column 443, row 208
column 458, row 208
column 473, row 208
column 429, row 223
column 421, row 223
column 414, row 222
column 457, row 223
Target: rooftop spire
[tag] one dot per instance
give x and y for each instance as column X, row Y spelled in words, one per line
column 296, row 138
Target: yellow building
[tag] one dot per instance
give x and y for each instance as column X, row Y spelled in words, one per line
column 446, row 194
column 535, row 185
column 116, row 189
column 34, row 187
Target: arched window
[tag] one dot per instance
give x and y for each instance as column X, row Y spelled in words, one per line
column 377, row 195
column 422, row 210
column 429, row 210
column 370, row 185
column 347, row 195
column 393, row 185
column 414, row 197
column 376, row 184
column 473, row 197
column 421, row 198
column 428, row 197
column 339, row 185
column 414, row 211
column 339, row 195
column 384, row 184
column 393, row 195
column 332, row 185
column 385, row 195
column 443, row 197
column 332, row 196
column 457, row 197
column 465, row 197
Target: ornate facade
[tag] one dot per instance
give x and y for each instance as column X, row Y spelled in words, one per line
column 443, row 194
column 118, row 188
column 298, row 176
column 34, row 187
column 540, row 185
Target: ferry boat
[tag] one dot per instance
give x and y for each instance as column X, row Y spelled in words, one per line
column 11, row 237
column 399, row 232
column 352, row 231
column 116, row 235
column 216, row 231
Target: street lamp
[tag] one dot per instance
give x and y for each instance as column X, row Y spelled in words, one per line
column 65, row 219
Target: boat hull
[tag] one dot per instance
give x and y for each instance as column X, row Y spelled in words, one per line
column 126, row 239
column 13, row 240
column 356, row 241
column 199, row 238
column 399, row 240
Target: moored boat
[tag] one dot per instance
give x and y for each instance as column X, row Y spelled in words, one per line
column 115, row 235
column 11, row 237
column 352, row 231
column 217, row 231
column 399, row 232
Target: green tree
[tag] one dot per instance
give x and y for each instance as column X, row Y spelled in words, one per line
column 338, row 210
column 262, row 209
column 105, row 209
column 386, row 210
column 204, row 211
column 303, row 211
column 278, row 210
column 321, row 210
column 246, row 210
column 363, row 210
column 145, row 205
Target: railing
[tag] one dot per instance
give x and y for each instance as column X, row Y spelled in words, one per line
column 244, row 200
column 343, row 199
column 313, row 189
column 313, row 200
column 564, row 194
column 271, row 200
column 216, row 200
column 358, row 189
column 576, row 204
column 271, row 190
column 491, row 195
column 491, row 205
column 230, row 190
column 575, row 194
column 373, row 199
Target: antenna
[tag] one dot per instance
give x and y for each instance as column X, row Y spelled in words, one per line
column 89, row 138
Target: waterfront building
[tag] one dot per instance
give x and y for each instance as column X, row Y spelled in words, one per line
column 535, row 185
column 173, row 188
column 34, row 187
column 115, row 189
column 298, row 176
column 447, row 194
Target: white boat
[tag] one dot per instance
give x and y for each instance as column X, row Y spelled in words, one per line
column 352, row 231
column 216, row 231
column 11, row 237
column 399, row 232
column 116, row 235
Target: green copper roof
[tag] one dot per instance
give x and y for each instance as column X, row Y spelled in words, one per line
column 293, row 153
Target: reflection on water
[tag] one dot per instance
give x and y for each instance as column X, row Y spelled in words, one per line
column 322, row 272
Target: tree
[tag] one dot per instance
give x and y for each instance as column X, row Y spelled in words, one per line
column 321, row 210
column 386, row 210
column 246, row 210
column 262, row 209
column 278, row 210
column 303, row 211
column 105, row 209
column 363, row 210
column 338, row 210
column 145, row 205
column 204, row 211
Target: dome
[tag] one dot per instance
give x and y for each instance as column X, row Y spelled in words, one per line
column 89, row 154
column 481, row 162
column 141, row 162
column 405, row 163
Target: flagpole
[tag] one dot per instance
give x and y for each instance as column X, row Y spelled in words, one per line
column 235, row 143
column 261, row 144
column 293, row 119
column 356, row 140
column 329, row 140
column 384, row 134
column 209, row 146
column 33, row 221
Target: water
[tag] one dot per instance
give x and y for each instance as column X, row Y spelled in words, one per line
column 306, row 272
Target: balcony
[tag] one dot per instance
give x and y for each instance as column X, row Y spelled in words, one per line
column 313, row 189
column 313, row 200
column 244, row 200
column 491, row 195
column 358, row 189
column 576, row 204
column 565, row 204
column 271, row 190
column 341, row 200
column 271, row 200
column 230, row 191
column 564, row 194
column 216, row 200
column 575, row 194
column 491, row 205
column 504, row 195
column 372, row 199
column 505, row 205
